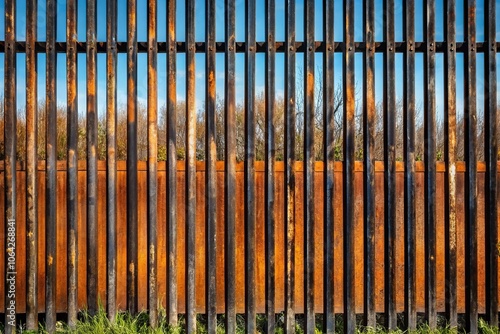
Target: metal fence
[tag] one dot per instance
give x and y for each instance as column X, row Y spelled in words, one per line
column 286, row 195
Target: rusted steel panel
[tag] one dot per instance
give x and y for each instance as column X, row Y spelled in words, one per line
column 50, row 173
column 250, row 200
column 132, row 183
column 409, row 156
column 290, row 120
column 111, row 177
column 72, row 161
column 470, row 148
column 450, row 146
column 348, row 175
column 369, row 163
column 230, row 166
column 211, row 172
column 10, row 140
column 270, row 156
column 309, row 157
column 190, row 167
column 172, row 162
column 152, row 176
column 32, row 168
column 491, row 149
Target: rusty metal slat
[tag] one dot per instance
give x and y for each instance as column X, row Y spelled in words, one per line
column 369, row 163
column 230, row 168
column 270, row 156
column 10, row 140
column 172, row 163
column 491, row 149
column 430, row 164
column 51, row 171
column 152, row 164
column 111, row 200
column 390, row 163
column 409, row 157
column 132, row 181
column 348, row 175
column 190, row 168
column 250, row 220
column 450, row 146
column 32, row 169
column 72, row 161
column 470, row 148
column 91, row 132
column 290, row 167
column 211, row 172
column 309, row 157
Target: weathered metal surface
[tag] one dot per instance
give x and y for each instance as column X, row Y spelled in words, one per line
column 491, row 152
column 190, row 166
column 211, row 172
column 50, row 172
column 250, row 214
column 390, row 163
column 72, row 161
column 289, row 195
column 470, row 152
column 32, row 166
column 172, row 162
column 132, row 183
column 152, row 165
column 111, row 178
column 369, row 163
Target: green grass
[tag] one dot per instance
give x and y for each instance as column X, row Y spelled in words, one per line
column 125, row 323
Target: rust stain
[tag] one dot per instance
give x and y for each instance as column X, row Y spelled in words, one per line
column 50, row 260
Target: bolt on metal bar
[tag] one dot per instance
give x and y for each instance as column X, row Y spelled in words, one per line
column 491, row 149
column 132, row 181
column 152, row 164
column 32, row 169
column 172, row 162
column 369, row 163
column 51, row 171
column 450, row 146
column 72, row 162
column 409, row 156
column 250, row 219
column 211, row 172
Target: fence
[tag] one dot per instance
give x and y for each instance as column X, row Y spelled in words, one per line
column 286, row 228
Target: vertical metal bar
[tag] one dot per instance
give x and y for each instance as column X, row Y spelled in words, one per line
column 249, row 167
column 270, row 153
column 491, row 131
column 471, row 168
column 50, row 172
column 450, row 146
column 91, row 157
column 430, row 164
column 152, row 164
column 390, row 166
column 290, row 118
column 309, row 118
column 111, row 59
column 172, row 163
column 190, row 167
column 369, row 163
column 10, row 140
column 211, row 174
column 72, row 161
column 348, row 174
column 230, row 167
column 409, row 158
column 32, row 168
column 131, row 157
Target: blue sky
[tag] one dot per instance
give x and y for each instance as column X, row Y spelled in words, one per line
column 240, row 36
